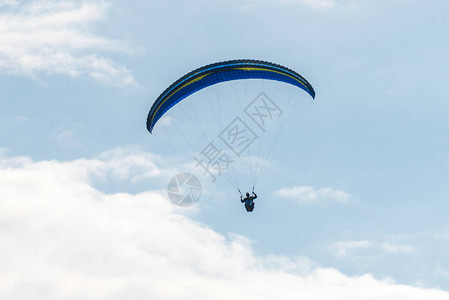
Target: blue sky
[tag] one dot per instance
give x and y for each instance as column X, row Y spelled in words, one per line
column 355, row 196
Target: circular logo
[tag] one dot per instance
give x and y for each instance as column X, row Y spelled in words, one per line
column 184, row 189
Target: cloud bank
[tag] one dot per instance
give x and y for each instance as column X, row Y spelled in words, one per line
column 348, row 248
column 62, row 238
column 56, row 38
column 309, row 194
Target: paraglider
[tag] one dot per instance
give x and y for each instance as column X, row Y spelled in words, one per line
column 249, row 201
column 212, row 75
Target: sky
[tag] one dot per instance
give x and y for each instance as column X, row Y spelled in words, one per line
column 351, row 203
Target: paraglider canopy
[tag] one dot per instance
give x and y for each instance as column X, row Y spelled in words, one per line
column 219, row 72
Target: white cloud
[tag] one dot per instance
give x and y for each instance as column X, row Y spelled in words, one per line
column 393, row 248
column 63, row 239
column 315, row 4
column 55, row 38
column 343, row 248
column 308, row 194
column 350, row 6
column 349, row 248
column 165, row 121
column 440, row 271
column 8, row 3
column 65, row 138
column 319, row 4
